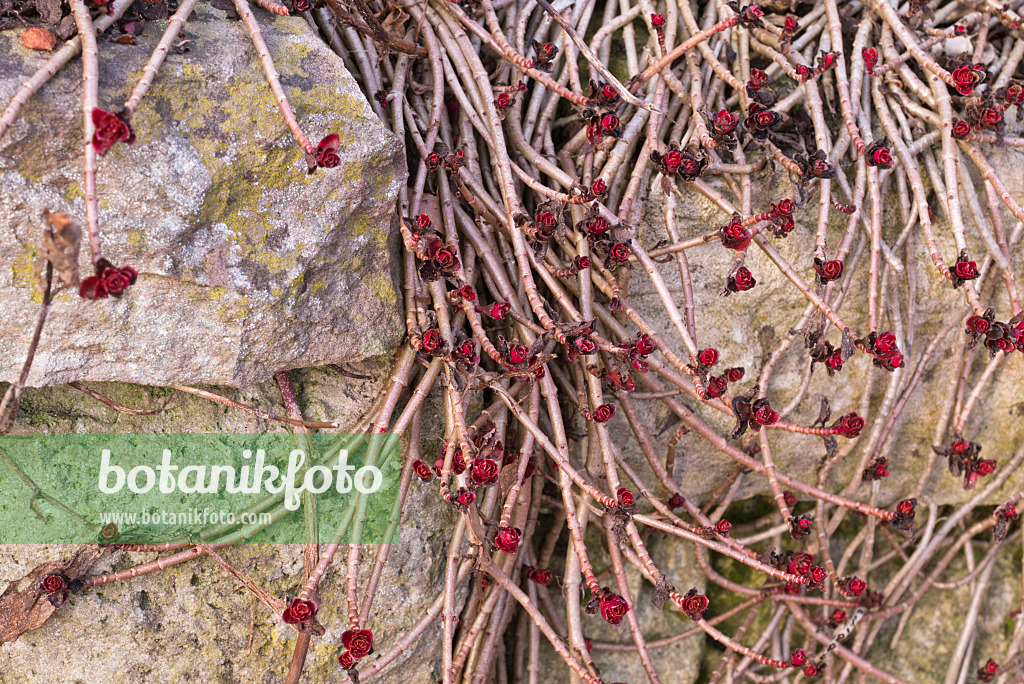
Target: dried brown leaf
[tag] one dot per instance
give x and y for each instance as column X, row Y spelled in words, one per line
column 394, row 22
column 38, row 38
column 24, row 606
column 59, row 246
column 49, row 10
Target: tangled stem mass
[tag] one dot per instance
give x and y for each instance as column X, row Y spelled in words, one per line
column 531, row 163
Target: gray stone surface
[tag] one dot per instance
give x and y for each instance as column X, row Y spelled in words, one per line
column 247, row 264
column 193, row 622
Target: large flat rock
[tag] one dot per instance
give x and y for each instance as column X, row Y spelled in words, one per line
column 247, row 264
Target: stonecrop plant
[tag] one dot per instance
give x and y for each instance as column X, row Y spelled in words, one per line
column 533, row 156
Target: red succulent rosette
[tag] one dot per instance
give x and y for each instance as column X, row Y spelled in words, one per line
column 799, row 658
column 708, row 357
column 757, row 81
column 799, row 526
column 748, row 16
column 870, row 57
column 619, row 253
column 110, row 129
column 624, row 498
column 723, row 527
column 602, row 94
column 800, row 564
column 904, row 519
column 644, row 344
column 967, row 77
column 604, row 413
column 851, row 585
column 431, row 341
column 546, row 53
column 326, row 153
column 816, row 576
column 815, row 165
column 516, row 354
column 693, row 165
column 465, row 497
column 740, row 281
column 357, row 642
column 507, row 539
column 724, row 123
column 53, row 584
column 299, row 611
column 734, row 374
column 988, row 671
column 992, row 118
column 735, row 236
column 766, row 415
column 346, row 660
column 540, row 576
column 883, row 348
column 878, row 154
column 716, row 387
column 498, row 310
column 671, row 161
column 963, row 270
column 834, row 362
column 612, row 606
column 876, row 470
column 422, row 470
column 56, row 587
column 484, row 472
column 760, row 119
column 694, row 604
column 961, row 129
column 109, row 280
column 828, row 271
column 849, row 426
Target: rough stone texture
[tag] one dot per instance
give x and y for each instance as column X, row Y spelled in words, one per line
column 192, row 622
column 676, row 663
column 739, row 325
column 247, row 264
column 924, row 649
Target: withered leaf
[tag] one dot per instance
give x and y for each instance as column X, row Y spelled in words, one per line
column 661, row 592
column 394, row 22
column 824, row 413
column 61, row 239
column 49, row 10
column 66, row 28
column 506, row 478
column 24, row 606
column 38, row 38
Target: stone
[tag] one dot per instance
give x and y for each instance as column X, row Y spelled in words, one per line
column 247, row 264
column 193, row 622
column 746, row 325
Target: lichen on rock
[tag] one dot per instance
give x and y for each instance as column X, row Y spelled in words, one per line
column 247, row 264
